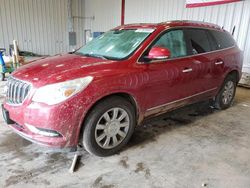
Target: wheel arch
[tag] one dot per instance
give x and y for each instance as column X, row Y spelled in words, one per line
column 234, row 73
column 130, row 98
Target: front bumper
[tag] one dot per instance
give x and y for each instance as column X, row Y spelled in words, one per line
column 36, row 138
column 64, row 118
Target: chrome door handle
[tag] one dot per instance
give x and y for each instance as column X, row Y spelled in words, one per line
column 219, row 62
column 187, row 70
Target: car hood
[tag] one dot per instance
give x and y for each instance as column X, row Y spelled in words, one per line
column 59, row 68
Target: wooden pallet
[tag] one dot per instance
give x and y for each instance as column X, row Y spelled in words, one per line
column 245, row 80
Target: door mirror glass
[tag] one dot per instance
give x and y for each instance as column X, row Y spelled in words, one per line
column 158, row 53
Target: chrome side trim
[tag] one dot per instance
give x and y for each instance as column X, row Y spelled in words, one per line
column 179, row 100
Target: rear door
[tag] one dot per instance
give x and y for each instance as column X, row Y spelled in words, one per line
column 224, row 56
column 202, row 58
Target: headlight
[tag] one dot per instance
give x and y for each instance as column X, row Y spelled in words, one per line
column 56, row 93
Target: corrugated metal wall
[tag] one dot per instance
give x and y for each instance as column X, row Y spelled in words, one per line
column 107, row 14
column 227, row 15
column 40, row 26
column 78, row 11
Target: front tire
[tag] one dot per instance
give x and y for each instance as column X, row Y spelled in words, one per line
column 225, row 97
column 109, row 126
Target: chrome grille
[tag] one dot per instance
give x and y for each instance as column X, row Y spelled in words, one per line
column 17, row 90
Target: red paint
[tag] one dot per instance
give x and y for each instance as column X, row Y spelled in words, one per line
column 149, row 84
column 123, row 12
column 193, row 5
column 158, row 51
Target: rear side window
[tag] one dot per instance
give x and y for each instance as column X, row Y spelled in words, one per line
column 199, row 42
column 223, row 39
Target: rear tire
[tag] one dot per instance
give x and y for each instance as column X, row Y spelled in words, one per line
column 225, row 97
column 109, row 126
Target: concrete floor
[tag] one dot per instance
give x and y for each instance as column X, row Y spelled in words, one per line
column 191, row 147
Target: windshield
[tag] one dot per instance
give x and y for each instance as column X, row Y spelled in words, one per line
column 115, row 44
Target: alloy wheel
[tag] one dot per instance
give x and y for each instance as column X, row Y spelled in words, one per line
column 112, row 128
column 228, row 92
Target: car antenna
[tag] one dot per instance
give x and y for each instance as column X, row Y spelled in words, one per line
column 233, row 30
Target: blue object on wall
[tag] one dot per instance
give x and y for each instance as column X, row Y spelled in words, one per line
column 2, row 63
column 97, row 34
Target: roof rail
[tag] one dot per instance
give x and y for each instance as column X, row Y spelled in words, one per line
column 192, row 22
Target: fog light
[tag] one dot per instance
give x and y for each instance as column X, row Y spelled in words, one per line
column 44, row 132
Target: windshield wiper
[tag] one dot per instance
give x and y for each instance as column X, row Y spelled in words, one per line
column 96, row 55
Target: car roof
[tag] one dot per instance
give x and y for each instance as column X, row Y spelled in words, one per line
column 174, row 23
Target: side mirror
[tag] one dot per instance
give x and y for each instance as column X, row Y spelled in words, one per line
column 158, row 53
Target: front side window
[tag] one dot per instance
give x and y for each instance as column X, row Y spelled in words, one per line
column 198, row 41
column 174, row 41
column 115, row 44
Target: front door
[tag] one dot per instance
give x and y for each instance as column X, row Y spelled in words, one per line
column 171, row 80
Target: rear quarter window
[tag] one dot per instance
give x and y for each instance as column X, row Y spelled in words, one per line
column 223, row 39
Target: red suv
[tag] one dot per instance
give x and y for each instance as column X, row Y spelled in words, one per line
column 98, row 94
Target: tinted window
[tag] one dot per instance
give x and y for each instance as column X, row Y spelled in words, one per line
column 199, row 42
column 212, row 41
column 223, row 39
column 173, row 40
